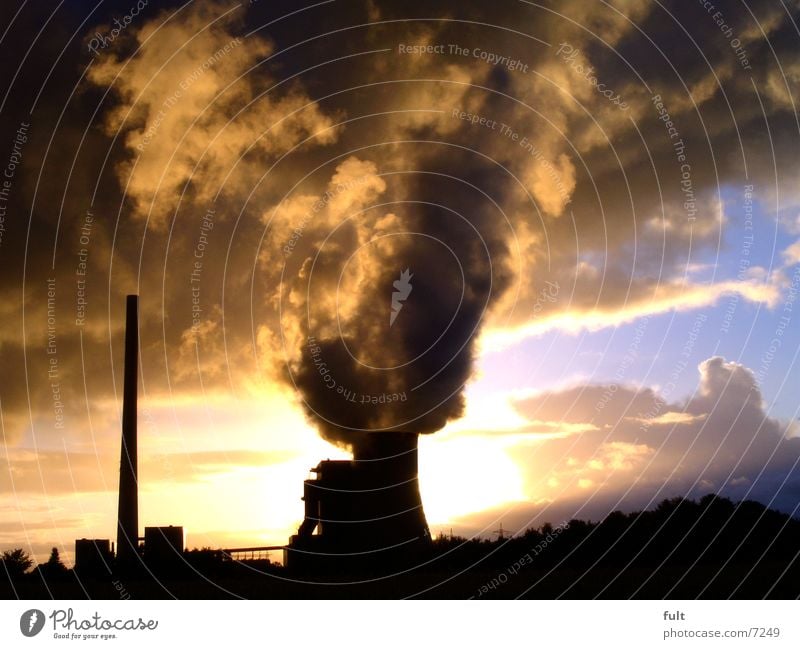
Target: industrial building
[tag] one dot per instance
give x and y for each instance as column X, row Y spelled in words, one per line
column 94, row 557
column 162, row 545
column 365, row 513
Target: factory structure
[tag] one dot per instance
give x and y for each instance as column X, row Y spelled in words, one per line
column 161, row 546
column 363, row 514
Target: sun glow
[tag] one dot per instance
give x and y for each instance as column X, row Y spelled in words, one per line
column 462, row 475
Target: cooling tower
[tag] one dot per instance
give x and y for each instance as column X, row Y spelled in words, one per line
column 365, row 513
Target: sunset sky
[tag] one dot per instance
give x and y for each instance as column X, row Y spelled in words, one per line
column 598, row 203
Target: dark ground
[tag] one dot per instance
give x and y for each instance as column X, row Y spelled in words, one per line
column 711, row 549
column 702, row 582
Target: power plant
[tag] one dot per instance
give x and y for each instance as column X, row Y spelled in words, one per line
column 363, row 514
column 162, row 545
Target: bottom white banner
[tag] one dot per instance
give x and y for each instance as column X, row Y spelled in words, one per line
column 389, row 624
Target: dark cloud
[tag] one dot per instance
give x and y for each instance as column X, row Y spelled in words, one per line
column 607, row 403
column 161, row 128
column 416, row 366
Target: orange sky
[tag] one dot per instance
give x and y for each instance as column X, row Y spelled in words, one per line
column 601, row 302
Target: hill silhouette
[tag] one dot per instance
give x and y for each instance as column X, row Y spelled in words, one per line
column 711, row 548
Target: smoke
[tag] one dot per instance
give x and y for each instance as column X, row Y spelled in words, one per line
column 388, row 301
column 473, row 177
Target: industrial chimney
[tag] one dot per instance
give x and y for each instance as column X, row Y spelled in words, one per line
column 128, row 512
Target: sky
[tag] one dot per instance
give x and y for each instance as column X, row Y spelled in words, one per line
column 596, row 205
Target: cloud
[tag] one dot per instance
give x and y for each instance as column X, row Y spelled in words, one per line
column 792, row 254
column 179, row 114
column 193, row 112
column 594, row 204
column 50, row 474
column 642, row 297
column 637, row 446
column 607, row 403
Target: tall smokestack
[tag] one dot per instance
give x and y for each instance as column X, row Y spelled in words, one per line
column 128, row 513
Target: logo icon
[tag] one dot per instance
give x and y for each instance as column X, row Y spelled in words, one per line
column 403, row 290
column 31, row 622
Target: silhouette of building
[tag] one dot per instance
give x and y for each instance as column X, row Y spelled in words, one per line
column 163, row 545
column 365, row 513
column 93, row 557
